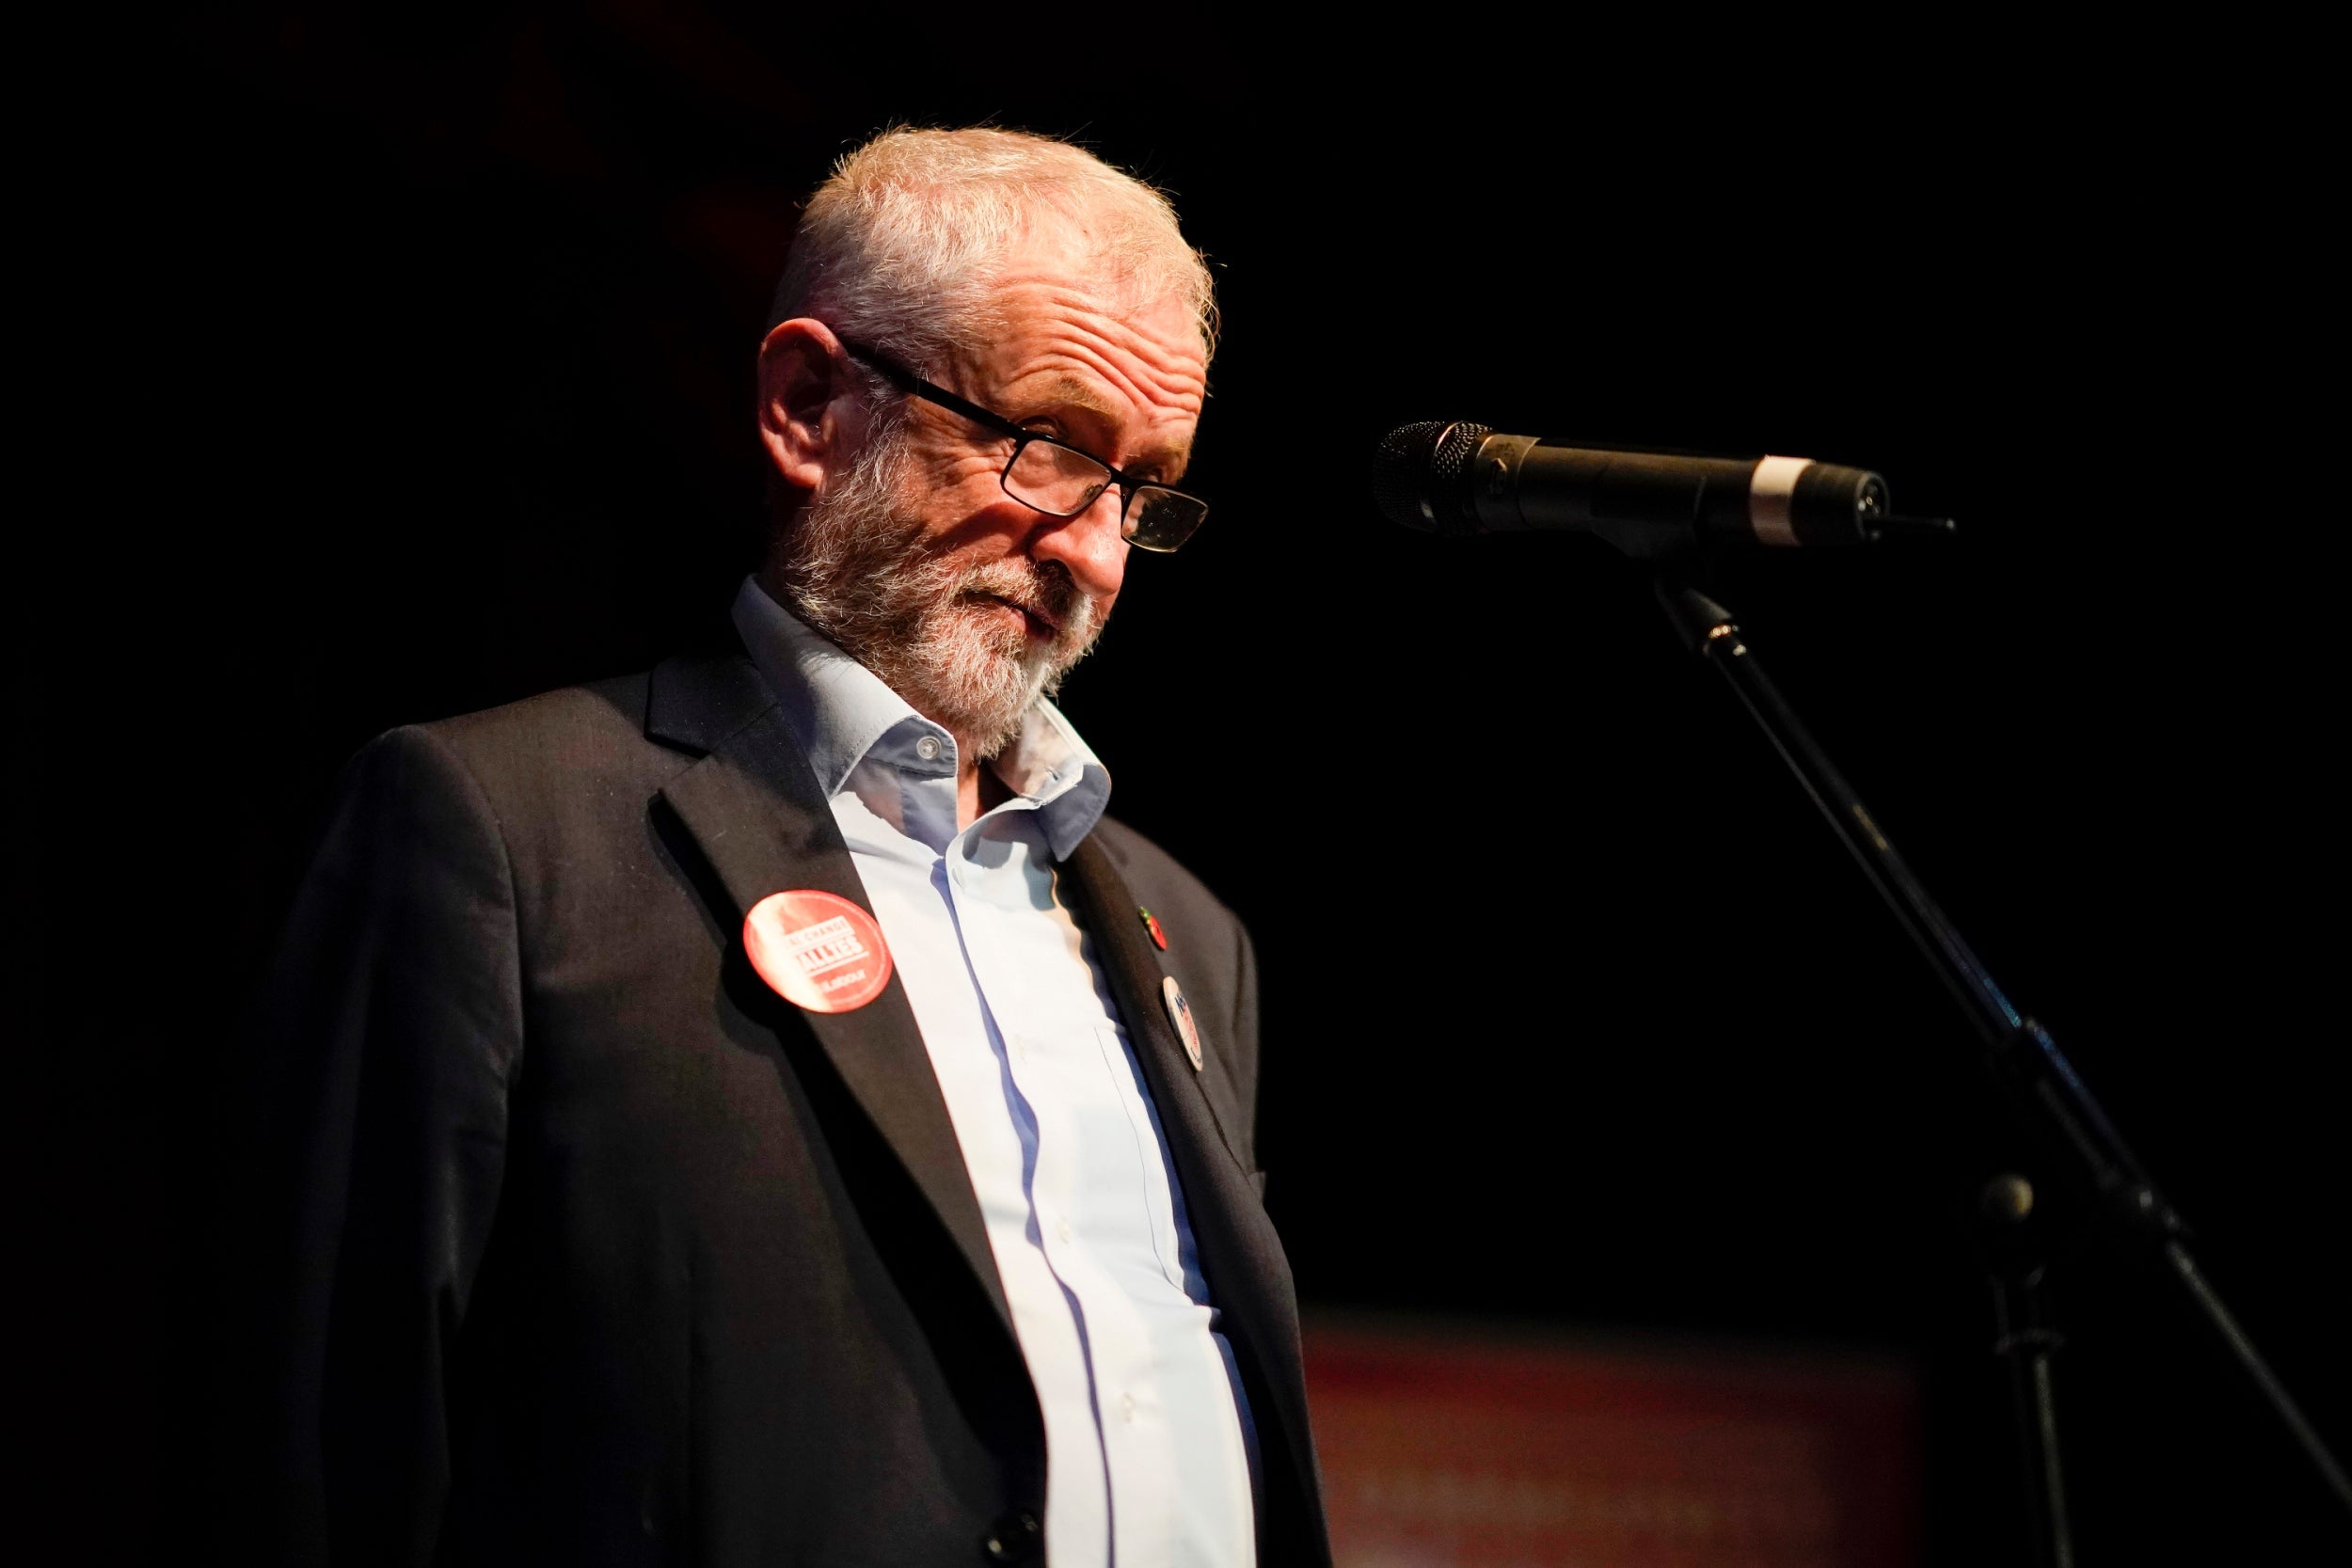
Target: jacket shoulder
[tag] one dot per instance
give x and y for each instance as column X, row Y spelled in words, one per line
column 596, row 713
column 588, row 737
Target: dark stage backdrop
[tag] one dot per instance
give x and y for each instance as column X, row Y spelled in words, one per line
column 427, row 384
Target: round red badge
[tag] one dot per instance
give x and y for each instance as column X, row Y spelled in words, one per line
column 816, row 950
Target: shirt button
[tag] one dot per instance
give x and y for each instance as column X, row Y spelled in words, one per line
column 1014, row 1538
column 1128, row 1406
column 1061, row 1229
column 927, row 748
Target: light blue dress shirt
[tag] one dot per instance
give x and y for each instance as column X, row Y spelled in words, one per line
column 1147, row 1442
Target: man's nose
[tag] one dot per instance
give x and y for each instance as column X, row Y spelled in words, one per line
column 1088, row 544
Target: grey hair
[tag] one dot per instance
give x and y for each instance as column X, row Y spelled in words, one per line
column 900, row 247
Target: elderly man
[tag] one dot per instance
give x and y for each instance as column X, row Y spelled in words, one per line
column 763, row 1112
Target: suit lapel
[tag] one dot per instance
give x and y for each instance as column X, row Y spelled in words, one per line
column 1240, row 1254
column 1108, row 907
column 754, row 811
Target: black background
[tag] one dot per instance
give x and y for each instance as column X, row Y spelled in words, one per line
column 416, row 378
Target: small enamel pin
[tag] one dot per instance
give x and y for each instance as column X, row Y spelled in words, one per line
column 1180, row 1014
column 816, row 950
column 1159, row 938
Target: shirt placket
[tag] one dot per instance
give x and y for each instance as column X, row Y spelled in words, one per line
column 1045, row 1066
column 979, row 918
column 1051, row 1175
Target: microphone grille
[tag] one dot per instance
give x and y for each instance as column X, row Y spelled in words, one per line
column 1418, row 476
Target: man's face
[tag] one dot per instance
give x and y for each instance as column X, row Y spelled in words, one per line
column 968, row 602
column 1123, row 385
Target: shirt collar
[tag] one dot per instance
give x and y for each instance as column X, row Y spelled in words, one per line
column 843, row 715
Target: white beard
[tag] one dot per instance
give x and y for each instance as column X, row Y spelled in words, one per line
column 855, row 568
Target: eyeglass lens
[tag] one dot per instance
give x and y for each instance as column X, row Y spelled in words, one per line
column 1055, row 479
column 1063, row 482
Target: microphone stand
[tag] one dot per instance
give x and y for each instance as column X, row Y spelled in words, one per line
column 2027, row 1061
column 2025, row 1339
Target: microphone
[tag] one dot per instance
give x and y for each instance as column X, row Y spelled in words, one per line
column 1455, row 477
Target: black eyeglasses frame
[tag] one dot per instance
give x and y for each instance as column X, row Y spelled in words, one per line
column 914, row 385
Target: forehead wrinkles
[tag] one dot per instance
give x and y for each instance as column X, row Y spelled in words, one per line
column 1150, row 357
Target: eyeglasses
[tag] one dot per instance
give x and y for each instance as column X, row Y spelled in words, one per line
column 1055, row 478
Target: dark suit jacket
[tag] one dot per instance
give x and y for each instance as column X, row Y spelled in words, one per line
column 602, row 1253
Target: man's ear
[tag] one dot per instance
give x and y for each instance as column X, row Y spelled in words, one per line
column 811, row 418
